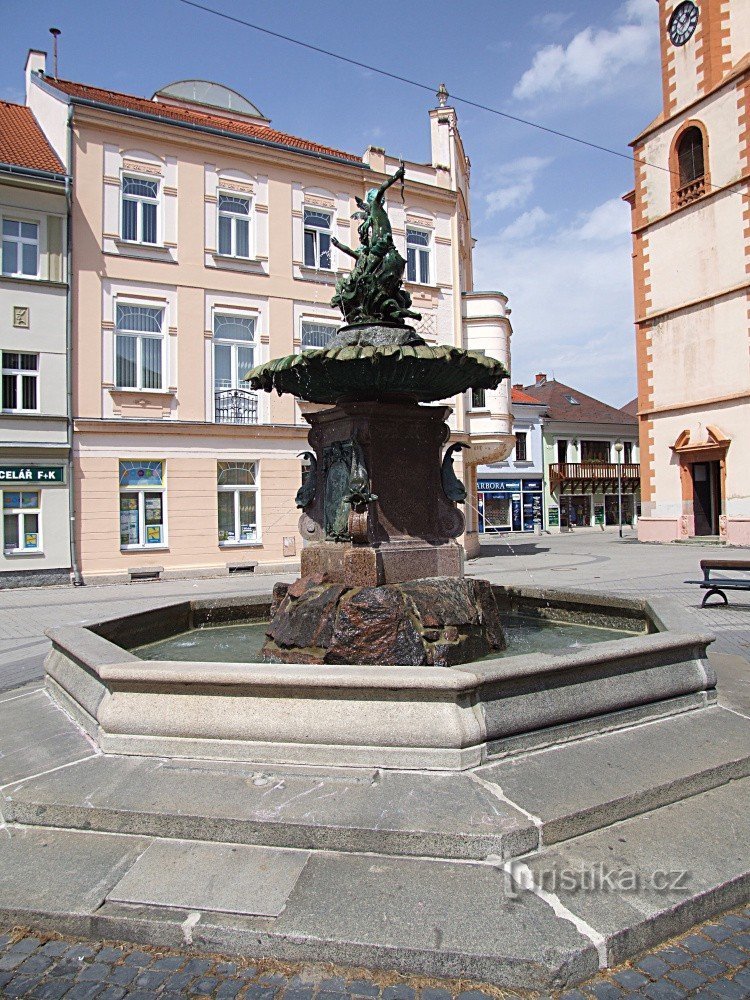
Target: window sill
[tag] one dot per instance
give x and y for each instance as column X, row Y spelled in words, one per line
column 421, row 286
column 20, row 413
column 23, row 553
column 321, row 272
column 241, row 545
column 144, row 548
column 482, row 410
column 142, row 392
column 26, row 279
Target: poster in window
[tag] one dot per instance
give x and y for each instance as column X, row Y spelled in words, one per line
column 128, row 520
column 152, row 508
column 554, row 516
column 153, row 534
column 31, row 540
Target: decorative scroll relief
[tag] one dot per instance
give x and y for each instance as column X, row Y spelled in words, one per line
column 319, row 202
column 418, row 220
column 142, row 168
column 244, row 188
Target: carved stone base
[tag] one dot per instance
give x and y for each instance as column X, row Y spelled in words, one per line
column 429, row 622
column 367, row 566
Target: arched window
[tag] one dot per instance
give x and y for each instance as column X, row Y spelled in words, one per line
column 691, row 166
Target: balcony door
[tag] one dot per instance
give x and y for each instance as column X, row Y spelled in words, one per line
column 234, row 356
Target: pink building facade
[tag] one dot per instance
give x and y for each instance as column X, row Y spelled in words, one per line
column 691, row 260
column 201, row 247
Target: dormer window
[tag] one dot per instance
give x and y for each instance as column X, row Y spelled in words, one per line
column 691, row 166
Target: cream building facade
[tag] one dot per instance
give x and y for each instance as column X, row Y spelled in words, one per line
column 34, row 425
column 691, row 254
column 202, row 246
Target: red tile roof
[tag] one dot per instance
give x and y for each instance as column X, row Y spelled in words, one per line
column 585, row 409
column 189, row 116
column 631, row 408
column 519, row 396
column 22, row 142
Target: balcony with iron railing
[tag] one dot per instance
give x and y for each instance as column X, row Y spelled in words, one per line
column 587, row 476
column 235, row 406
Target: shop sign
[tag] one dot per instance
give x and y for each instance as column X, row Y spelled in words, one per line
column 27, row 474
column 532, row 485
column 553, row 515
column 598, row 513
column 509, row 485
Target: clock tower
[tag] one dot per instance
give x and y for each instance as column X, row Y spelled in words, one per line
column 691, row 269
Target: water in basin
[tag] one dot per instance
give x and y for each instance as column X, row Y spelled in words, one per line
column 242, row 642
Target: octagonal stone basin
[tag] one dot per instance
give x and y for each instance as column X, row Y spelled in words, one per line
column 373, row 716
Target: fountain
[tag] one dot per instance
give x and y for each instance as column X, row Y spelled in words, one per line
column 383, row 653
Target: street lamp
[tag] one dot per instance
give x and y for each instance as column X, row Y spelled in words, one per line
column 618, row 449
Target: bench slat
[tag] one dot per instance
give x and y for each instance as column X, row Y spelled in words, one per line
column 740, row 564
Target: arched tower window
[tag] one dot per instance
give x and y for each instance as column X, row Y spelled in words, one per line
column 690, row 166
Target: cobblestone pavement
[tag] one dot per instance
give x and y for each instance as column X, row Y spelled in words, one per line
column 712, row 961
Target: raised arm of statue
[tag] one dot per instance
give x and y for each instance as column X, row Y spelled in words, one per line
column 391, row 180
column 342, row 246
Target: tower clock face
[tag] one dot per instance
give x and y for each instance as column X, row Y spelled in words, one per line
column 683, row 22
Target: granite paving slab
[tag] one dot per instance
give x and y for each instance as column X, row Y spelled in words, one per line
column 230, row 878
column 447, row 815
column 590, row 783
column 36, row 736
column 61, row 871
column 655, row 875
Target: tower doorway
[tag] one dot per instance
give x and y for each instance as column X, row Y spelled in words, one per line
column 706, row 497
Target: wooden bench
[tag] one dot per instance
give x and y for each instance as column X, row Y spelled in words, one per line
column 718, row 584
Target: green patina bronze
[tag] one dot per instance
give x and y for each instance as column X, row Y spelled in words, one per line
column 376, row 355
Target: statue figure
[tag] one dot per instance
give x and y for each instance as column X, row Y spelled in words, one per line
column 306, row 492
column 453, row 488
column 373, row 292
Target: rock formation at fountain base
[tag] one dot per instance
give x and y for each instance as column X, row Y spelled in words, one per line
column 439, row 622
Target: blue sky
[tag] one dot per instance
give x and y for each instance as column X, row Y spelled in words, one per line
column 552, row 232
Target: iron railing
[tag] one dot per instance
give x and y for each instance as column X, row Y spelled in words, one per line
column 235, row 406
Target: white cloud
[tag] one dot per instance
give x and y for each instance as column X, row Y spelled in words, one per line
column 552, row 21
column 595, row 56
column 571, row 300
column 525, row 225
column 514, row 183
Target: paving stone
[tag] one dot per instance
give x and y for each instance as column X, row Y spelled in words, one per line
column 570, row 995
column 403, row 992
column 78, row 951
column 630, row 979
column 229, row 988
column 24, row 946
column 122, row 975
column 260, row 992
column 674, row 956
column 688, row 978
column 110, row 954
column 84, row 991
column 54, row 948
column 662, row 990
column 708, row 965
column 732, row 956
column 142, row 995
column 66, row 967
column 150, row 980
column 652, row 966
column 11, row 961
column 52, row 989
column 735, row 920
column 728, row 990
column 225, row 968
column 112, row 993
column 21, row 986
column 740, row 941
column 36, row 962
column 197, row 966
column 743, row 977
column 605, row 991
column 298, row 993
column 179, row 982
column 696, row 944
column 335, row 985
column 168, row 963
column 204, row 986
column 36, row 736
column 5, row 977
column 717, row 932
column 95, row 973
column 365, row 988
column 139, row 958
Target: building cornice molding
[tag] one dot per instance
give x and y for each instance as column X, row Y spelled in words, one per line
column 743, row 286
column 731, row 397
column 176, row 428
column 714, row 192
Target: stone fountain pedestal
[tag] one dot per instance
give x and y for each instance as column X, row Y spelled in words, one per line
column 408, row 532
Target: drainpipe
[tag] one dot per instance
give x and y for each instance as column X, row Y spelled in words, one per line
column 75, row 571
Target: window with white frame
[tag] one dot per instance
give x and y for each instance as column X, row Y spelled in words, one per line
column 316, row 334
column 140, row 209
column 521, row 446
column 418, row 243
column 318, row 239
column 237, row 487
column 20, row 382
column 139, row 346
column 20, row 248
column 234, row 225
column 478, row 399
column 234, row 356
column 21, row 514
column 142, row 504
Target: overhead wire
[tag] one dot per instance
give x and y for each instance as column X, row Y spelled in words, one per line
column 431, row 88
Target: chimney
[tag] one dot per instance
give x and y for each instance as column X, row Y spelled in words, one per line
column 36, row 62
column 518, row 385
column 541, row 378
